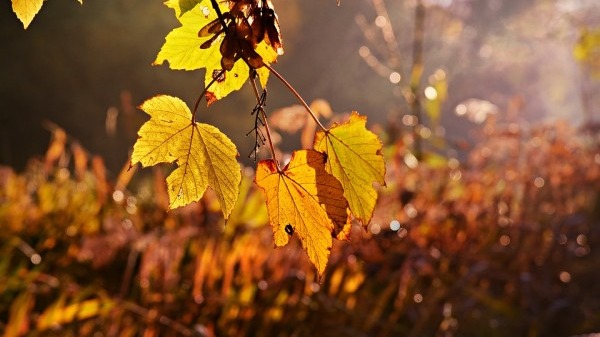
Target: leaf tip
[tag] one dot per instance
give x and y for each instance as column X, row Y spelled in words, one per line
column 358, row 118
column 26, row 10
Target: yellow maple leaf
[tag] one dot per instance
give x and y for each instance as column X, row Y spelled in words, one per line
column 204, row 155
column 182, row 49
column 26, row 10
column 182, row 45
column 303, row 198
column 354, row 158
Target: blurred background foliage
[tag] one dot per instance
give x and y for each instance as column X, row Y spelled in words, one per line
column 505, row 243
column 489, row 225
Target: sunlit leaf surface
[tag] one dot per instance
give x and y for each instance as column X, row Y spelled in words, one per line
column 182, row 50
column 26, row 10
column 354, row 158
column 304, row 199
column 204, row 156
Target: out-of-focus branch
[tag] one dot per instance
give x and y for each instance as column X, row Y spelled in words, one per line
column 387, row 61
column 393, row 52
column 416, row 73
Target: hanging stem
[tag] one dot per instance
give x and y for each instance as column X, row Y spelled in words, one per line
column 264, row 115
column 215, row 6
column 203, row 93
column 289, row 86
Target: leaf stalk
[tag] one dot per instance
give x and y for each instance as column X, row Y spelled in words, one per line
column 204, row 93
column 300, row 99
column 264, row 115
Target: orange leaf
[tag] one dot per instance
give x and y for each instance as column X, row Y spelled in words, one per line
column 304, row 199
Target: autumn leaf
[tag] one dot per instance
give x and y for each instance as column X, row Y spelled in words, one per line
column 204, row 155
column 182, row 45
column 354, row 158
column 182, row 50
column 26, row 10
column 303, row 198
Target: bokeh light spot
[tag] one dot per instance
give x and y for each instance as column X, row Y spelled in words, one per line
column 460, row 110
column 402, row 233
column 410, row 211
column 418, row 298
column 425, row 132
column 411, row 161
column 36, row 259
column 409, row 120
column 395, row 77
column 315, row 287
column 375, row 229
column 395, row 225
column 453, row 163
column 364, row 51
column 430, row 93
column 118, row 196
column 380, row 21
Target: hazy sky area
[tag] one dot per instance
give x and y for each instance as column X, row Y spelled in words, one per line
column 75, row 62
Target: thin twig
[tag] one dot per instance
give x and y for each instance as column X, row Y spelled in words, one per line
column 259, row 135
column 289, row 86
column 389, row 37
column 215, row 6
column 204, row 92
column 264, row 116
